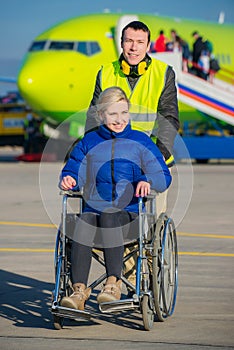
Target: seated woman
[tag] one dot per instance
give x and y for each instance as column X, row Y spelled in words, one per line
column 114, row 165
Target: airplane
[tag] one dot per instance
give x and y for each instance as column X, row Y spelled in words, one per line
column 57, row 74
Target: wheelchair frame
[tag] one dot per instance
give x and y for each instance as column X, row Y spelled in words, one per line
column 156, row 267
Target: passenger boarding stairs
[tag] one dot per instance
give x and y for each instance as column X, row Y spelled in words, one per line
column 214, row 99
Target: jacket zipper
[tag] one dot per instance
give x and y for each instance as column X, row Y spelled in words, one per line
column 113, row 168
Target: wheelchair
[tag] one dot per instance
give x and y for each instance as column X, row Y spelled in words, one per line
column 155, row 250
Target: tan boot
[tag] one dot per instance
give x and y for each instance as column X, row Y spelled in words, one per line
column 111, row 291
column 78, row 298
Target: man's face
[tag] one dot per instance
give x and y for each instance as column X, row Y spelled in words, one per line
column 135, row 45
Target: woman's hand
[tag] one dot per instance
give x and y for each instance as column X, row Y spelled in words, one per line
column 143, row 189
column 67, row 183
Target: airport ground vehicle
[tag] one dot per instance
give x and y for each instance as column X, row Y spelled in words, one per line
column 155, row 245
column 12, row 117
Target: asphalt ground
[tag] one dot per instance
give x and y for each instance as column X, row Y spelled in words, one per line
column 204, row 312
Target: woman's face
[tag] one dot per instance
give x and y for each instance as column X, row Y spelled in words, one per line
column 116, row 116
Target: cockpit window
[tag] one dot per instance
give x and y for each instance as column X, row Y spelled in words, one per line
column 61, row 45
column 82, row 47
column 94, row 47
column 87, row 48
column 37, row 46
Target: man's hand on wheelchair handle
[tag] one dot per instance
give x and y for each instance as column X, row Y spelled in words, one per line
column 142, row 189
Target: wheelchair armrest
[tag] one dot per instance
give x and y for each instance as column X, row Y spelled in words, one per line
column 152, row 195
column 150, row 207
column 70, row 193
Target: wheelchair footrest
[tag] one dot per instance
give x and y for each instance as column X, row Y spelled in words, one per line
column 70, row 313
column 119, row 305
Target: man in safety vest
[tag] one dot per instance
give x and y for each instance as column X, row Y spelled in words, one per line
column 150, row 86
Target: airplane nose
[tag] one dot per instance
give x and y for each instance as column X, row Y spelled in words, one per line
column 28, row 82
column 46, row 81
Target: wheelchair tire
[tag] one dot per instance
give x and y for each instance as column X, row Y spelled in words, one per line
column 164, row 267
column 169, row 268
column 62, row 278
column 147, row 313
column 58, row 322
column 64, row 273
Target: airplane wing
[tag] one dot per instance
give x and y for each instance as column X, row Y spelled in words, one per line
column 8, row 80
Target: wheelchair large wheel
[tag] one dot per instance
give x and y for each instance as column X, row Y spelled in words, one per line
column 62, row 276
column 164, row 267
column 147, row 313
column 62, row 266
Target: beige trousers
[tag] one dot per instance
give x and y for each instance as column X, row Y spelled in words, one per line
column 130, row 264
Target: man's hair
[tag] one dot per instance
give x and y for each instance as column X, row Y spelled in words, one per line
column 136, row 25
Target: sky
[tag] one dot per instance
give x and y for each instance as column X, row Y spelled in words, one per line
column 22, row 20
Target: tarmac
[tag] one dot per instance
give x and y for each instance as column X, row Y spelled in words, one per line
column 201, row 200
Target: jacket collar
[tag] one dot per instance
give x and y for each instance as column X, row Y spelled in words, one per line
column 107, row 134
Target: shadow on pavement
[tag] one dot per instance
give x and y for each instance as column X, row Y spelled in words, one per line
column 26, row 302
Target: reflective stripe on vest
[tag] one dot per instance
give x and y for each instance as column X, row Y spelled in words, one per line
column 145, row 95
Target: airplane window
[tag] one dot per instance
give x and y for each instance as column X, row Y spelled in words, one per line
column 94, row 47
column 37, row 46
column 228, row 59
column 88, row 48
column 61, row 45
column 82, row 47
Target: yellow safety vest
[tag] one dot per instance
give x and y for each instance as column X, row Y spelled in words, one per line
column 145, row 95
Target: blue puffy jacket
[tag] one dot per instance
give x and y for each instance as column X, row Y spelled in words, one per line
column 108, row 166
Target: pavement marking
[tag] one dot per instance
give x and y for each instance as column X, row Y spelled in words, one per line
column 14, row 223
column 204, row 235
column 186, row 234
column 43, row 250
column 207, row 254
column 27, row 250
